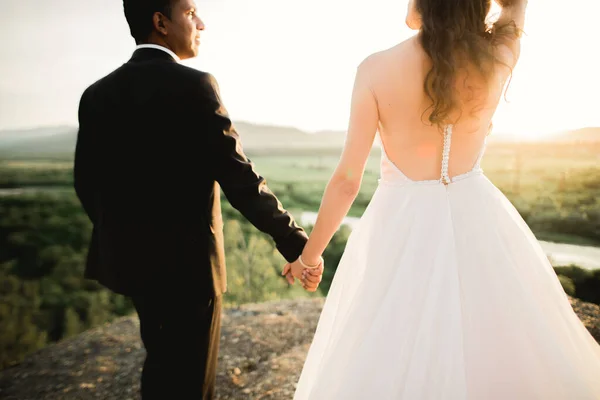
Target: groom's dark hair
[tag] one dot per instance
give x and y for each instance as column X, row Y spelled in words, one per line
column 139, row 13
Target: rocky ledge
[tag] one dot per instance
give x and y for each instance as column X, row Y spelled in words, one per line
column 262, row 351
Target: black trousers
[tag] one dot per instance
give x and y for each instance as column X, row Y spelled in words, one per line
column 181, row 335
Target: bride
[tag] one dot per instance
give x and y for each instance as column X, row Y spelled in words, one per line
column 443, row 292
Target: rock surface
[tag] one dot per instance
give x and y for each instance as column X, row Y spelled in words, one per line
column 263, row 347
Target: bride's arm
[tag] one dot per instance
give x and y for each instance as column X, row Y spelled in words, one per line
column 343, row 187
column 510, row 26
column 512, row 10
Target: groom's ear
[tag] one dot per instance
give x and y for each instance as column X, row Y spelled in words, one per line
column 158, row 20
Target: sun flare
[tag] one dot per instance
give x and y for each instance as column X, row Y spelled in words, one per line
column 291, row 63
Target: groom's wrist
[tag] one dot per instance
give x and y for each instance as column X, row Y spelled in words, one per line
column 292, row 246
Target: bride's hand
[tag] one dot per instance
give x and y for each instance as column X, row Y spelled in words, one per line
column 310, row 277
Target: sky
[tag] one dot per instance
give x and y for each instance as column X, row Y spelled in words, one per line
column 287, row 62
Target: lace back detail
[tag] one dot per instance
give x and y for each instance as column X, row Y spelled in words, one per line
column 444, row 177
column 391, row 174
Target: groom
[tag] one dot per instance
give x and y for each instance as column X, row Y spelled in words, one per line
column 155, row 144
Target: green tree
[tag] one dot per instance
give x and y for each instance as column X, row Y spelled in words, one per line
column 254, row 267
column 567, row 284
column 332, row 256
column 73, row 324
column 19, row 309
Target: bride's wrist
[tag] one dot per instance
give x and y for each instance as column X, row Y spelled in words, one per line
column 310, row 262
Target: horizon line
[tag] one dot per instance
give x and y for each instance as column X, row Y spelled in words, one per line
column 292, row 127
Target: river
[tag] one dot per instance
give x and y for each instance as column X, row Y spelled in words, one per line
column 561, row 253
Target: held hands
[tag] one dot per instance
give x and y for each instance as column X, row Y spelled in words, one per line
column 310, row 277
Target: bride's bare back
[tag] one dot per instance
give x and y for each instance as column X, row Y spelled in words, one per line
column 389, row 97
column 396, row 79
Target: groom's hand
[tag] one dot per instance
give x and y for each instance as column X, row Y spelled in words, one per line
column 310, row 277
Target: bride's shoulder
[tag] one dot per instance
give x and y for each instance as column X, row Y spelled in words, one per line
column 407, row 46
column 405, row 50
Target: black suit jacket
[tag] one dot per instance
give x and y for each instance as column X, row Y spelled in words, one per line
column 154, row 145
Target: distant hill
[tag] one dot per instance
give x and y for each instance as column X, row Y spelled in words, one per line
column 53, row 142
column 8, row 135
column 582, row 135
column 18, row 137
column 590, row 134
column 263, row 137
column 59, row 142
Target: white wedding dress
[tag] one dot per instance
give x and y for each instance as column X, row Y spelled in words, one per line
column 443, row 292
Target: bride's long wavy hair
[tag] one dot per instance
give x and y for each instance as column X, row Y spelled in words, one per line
column 456, row 34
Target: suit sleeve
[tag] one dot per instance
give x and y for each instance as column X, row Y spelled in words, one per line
column 83, row 168
column 245, row 189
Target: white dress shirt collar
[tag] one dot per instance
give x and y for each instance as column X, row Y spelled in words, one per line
column 158, row 47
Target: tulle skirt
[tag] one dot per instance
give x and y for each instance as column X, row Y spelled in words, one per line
column 443, row 292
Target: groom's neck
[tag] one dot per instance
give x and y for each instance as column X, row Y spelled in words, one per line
column 157, row 40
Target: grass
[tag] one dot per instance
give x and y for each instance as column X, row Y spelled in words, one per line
column 555, row 186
